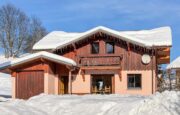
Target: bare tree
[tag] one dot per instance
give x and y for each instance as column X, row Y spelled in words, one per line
column 170, row 81
column 13, row 30
column 161, row 79
column 178, row 79
column 37, row 31
column 18, row 32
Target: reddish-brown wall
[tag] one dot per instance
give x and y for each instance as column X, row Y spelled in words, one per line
column 34, row 65
column 29, row 83
column 62, row 70
column 34, row 73
column 131, row 58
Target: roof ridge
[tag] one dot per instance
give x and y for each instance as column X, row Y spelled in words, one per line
column 162, row 38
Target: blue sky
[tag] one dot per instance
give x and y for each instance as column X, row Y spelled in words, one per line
column 81, row 15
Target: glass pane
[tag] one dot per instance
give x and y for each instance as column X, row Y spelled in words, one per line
column 95, row 48
column 109, row 47
column 130, row 81
column 138, row 81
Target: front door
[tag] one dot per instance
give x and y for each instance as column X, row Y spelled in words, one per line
column 63, row 85
column 102, row 84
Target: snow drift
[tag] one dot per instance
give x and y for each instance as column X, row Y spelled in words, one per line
column 5, row 84
column 166, row 103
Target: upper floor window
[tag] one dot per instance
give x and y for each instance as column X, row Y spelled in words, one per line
column 134, row 81
column 109, row 47
column 95, row 48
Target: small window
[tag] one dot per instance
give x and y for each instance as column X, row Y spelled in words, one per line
column 134, row 81
column 95, row 48
column 109, row 47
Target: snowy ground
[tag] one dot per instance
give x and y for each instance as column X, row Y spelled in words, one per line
column 5, row 80
column 5, row 85
column 166, row 103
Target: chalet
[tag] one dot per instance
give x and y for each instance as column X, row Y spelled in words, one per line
column 175, row 65
column 98, row 61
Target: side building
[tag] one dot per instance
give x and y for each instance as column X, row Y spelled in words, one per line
column 175, row 65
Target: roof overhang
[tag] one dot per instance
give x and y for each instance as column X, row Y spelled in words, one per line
column 163, row 55
column 31, row 57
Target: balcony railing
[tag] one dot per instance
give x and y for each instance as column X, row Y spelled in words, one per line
column 99, row 60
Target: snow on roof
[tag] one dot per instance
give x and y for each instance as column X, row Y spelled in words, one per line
column 156, row 37
column 147, row 38
column 175, row 64
column 42, row 54
column 3, row 59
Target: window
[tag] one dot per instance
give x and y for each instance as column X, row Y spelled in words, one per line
column 95, row 48
column 109, row 47
column 134, row 81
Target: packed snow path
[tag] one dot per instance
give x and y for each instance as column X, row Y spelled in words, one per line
column 166, row 103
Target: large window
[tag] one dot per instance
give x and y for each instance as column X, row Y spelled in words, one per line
column 109, row 47
column 95, row 48
column 134, row 81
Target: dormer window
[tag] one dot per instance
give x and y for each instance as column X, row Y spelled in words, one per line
column 95, row 48
column 109, row 47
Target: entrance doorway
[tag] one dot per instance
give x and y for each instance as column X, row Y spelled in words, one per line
column 102, row 84
column 63, row 85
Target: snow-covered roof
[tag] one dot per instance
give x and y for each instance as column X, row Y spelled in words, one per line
column 147, row 38
column 3, row 59
column 42, row 54
column 175, row 64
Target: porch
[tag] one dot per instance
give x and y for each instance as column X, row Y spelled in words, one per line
column 102, row 84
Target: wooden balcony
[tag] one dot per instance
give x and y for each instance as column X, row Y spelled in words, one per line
column 99, row 60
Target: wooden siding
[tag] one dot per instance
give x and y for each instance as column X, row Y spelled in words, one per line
column 63, row 73
column 30, row 77
column 29, row 83
column 62, row 70
column 131, row 54
column 33, row 65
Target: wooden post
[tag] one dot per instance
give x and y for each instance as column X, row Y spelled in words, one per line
column 82, row 73
column 120, row 75
column 70, row 82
